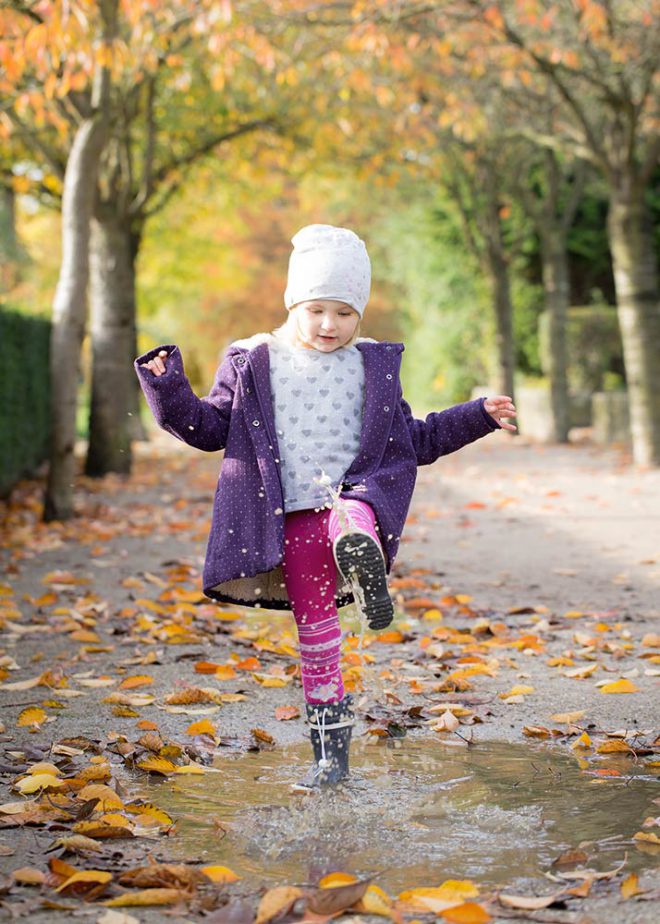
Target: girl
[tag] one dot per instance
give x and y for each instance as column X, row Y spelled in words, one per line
column 312, row 409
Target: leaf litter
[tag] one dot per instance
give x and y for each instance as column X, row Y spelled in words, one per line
column 440, row 650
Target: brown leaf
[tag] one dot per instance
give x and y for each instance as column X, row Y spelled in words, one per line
column 161, row 875
column 336, row 898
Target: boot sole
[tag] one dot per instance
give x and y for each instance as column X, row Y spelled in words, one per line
column 358, row 555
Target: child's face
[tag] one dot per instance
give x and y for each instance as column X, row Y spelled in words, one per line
column 326, row 325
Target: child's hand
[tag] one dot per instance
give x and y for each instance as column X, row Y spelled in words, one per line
column 157, row 365
column 499, row 407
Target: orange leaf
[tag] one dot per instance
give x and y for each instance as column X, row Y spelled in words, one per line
column 467, row 913
column 203, row 727
column 620, row 686
column 138, row 680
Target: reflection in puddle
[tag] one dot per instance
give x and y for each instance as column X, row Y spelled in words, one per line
column 413, row 815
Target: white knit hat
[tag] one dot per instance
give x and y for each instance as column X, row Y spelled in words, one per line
column 328, row 262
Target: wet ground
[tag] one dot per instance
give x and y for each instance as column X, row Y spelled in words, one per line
column 415, row 810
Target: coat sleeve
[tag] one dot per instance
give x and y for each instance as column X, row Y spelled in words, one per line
column 200, row 422
column 443, row 432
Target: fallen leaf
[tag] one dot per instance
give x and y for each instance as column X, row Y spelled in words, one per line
column 284, row 713
column 84, row 879
column 138, row 680
column 620, row 686
column 148, row 897
column 275, row 902
column 336, row 898
column 219, row 873
column 451, row 892
column 528, row 902
column 202, row 727
column 28, row 875
column 31, row 716
column 569, row 718
column 630, row 886
column 467, row 913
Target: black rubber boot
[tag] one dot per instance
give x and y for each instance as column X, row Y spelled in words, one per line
column 331, row 726
column 359, row 556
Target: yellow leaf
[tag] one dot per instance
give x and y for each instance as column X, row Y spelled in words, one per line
column 630, row 886
column 568, row 717
column 375, row 901
column 517, row 690
column 157, row 765
column 85, row 875
column 31, row 716
column 584, row 741
column 148, row 897
column 276, row 901
column 451, row 892
column 191, row 768
column 620, row 686
column 269, row 680
column 467, row 913
column 225, row 672
column 109, row 798
column 650, row 837
column 614, row 747
column 219, row 873
column 38, row 781
column 332, row 880
column 44, row 767
column 203, row 727
column 150, row 810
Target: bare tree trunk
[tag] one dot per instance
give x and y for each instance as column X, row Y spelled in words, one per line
column 69, row 309
column 638, row 306
column 69, row 306
column 112, row 334
column 496, row 264
column 556, row 292
column 501, row 292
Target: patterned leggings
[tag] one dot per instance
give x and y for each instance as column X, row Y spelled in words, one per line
column 310, row 578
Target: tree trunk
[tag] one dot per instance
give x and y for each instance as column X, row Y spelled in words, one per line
column 556, row 291
column 638, row 307
column 70, row 303
column 137, row 428
column 501, row 292
column 69, row 309
column 112, row 335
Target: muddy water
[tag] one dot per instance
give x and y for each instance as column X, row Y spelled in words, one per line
column 413, row 814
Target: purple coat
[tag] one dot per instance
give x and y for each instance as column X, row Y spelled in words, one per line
column 246, row 543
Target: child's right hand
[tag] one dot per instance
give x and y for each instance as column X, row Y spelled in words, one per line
column 157, row 365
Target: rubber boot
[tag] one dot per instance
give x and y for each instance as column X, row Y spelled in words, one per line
column 358, row 555
column 331, row 726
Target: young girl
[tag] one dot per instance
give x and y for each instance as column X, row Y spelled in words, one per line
column 309, row 412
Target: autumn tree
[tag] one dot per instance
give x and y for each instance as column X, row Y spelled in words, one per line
column 600, row 60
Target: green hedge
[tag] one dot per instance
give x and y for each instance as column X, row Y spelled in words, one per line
column 24, row 395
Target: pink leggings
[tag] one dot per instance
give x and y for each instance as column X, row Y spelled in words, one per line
column 310, row 577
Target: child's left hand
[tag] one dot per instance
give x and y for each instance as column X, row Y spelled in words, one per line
column 499, row 407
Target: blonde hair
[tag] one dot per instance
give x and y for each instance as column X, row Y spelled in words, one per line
column 290, row 330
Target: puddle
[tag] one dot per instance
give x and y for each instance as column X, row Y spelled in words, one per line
column 413, row 815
